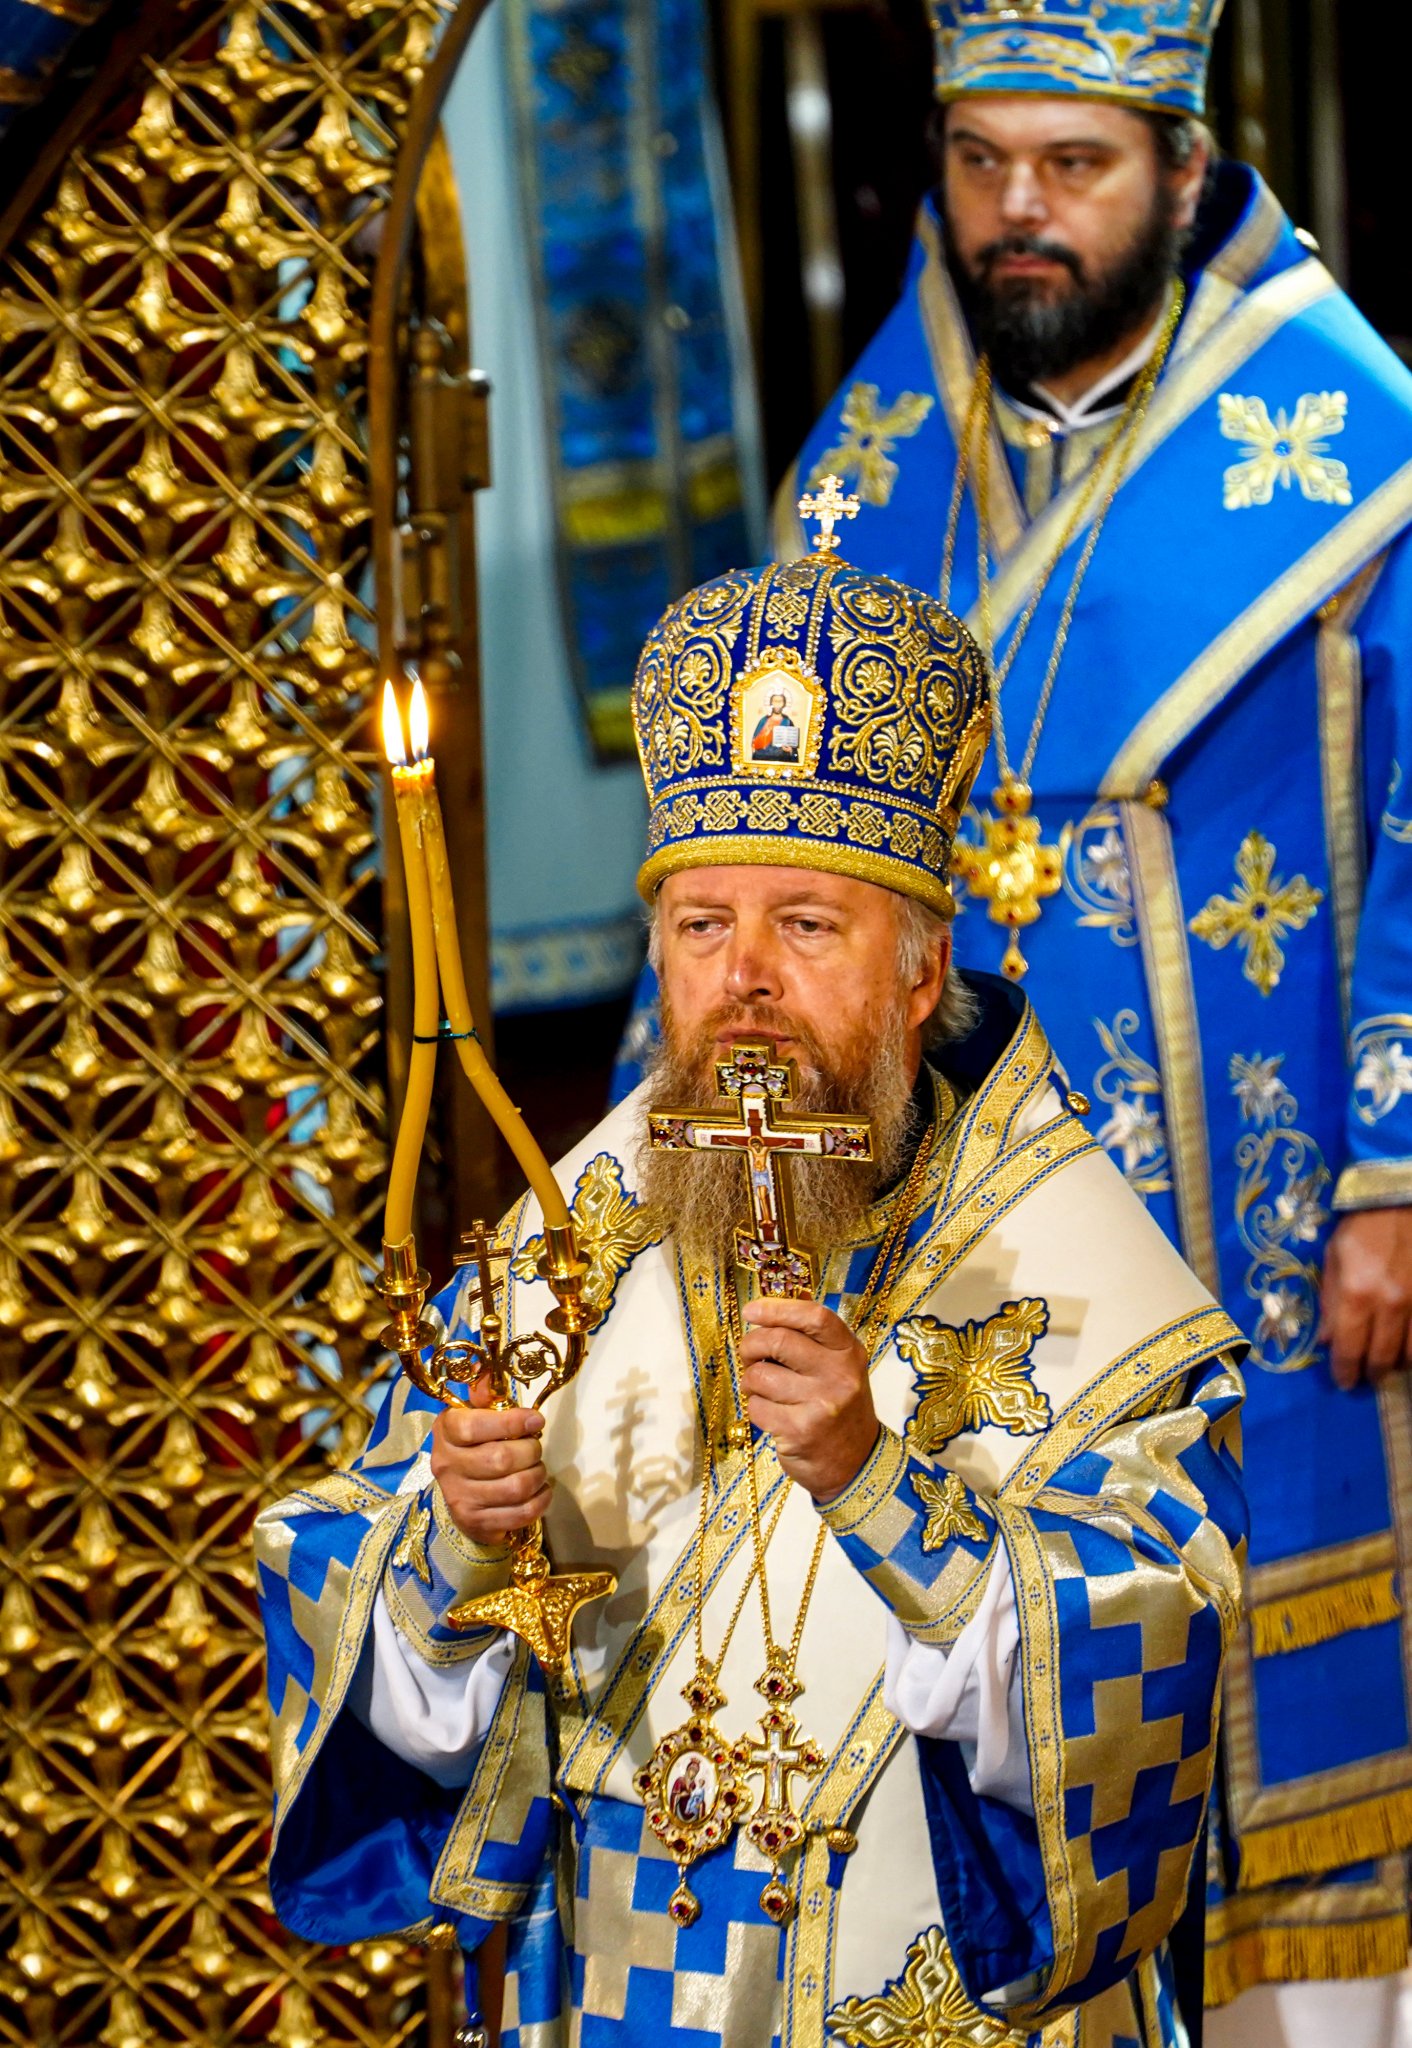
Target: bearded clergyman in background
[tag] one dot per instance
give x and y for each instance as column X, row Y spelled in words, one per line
column 900, row 1724
column 1123, row 419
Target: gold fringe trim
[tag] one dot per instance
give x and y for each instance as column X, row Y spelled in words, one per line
column 1326, row 1841
column 1315, row 1617
column 1288, row 1955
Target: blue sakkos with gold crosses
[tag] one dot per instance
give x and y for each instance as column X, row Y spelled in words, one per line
column 1056, row 1390
column 1058, row 1402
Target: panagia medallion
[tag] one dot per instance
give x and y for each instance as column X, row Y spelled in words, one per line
column 694, row 1790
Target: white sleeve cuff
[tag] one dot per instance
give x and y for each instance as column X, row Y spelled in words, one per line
column 434, row 1716
column 969, row 1694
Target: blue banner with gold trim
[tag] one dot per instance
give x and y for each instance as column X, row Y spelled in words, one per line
column 625, row 223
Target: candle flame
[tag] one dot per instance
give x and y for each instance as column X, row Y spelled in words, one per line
column 393, row 744
column 418, row 723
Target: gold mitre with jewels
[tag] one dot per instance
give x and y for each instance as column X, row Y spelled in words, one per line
column 810, row 716
column 1151, row 54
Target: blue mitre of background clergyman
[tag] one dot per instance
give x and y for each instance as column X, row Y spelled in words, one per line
column 1145, row 53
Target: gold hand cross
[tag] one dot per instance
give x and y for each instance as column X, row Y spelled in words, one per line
column 756, row 1084
column 478, row 1248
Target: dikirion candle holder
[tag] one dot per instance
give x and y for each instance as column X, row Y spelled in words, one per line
column 538, row 1604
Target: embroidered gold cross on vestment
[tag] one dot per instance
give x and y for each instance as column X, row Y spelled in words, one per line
column 757, row 1084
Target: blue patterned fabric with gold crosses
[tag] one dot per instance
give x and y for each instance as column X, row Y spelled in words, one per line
column 323, row 1557
column 1099, row 1458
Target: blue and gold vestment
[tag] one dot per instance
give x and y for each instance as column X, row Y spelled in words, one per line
column 1227, row 968
column 1081, row 1422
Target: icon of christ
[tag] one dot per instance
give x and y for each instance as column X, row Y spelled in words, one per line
column 776, row 735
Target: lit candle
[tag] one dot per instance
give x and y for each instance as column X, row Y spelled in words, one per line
column 409, row 782
column 479, row 1072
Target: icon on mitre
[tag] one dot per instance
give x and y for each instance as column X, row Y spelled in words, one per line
column 776, row 722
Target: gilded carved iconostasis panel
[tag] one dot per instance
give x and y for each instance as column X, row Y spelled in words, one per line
column 192, row 1060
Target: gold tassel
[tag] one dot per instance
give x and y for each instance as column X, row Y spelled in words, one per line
column 1286, row 1955
column 1381, row 1826
column 1324, row 1612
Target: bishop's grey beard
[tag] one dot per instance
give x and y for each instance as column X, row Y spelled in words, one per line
column 703, row 1194
column 1031, row 332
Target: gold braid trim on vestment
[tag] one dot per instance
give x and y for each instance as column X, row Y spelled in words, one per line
column 511, row 1772
column 1351, row 1928
column 1302, row 1619
column 808, row 1972
column 291, row 1763
column 1084, row 1900
column 1171, row 1353
column 1285, row 604
column 1378, row 1826
column 1295, row 1955
column 1338, row 663
column 1374, row 1184
column 1166, row 962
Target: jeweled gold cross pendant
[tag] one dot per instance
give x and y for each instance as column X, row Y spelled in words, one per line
column 781, row 1755
column 1010, row 870
column 756, row 1083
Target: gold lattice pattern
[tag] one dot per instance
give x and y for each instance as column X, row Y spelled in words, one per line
column 191, row 1113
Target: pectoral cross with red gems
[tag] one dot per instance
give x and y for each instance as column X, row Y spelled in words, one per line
column 756, row 1083
column 780, row 1756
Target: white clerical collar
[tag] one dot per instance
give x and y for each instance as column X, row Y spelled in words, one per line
column 1089, row 409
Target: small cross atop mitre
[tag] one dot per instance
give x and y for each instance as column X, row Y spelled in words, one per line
column 828, row 505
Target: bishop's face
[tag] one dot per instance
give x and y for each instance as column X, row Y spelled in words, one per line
column 808, row 961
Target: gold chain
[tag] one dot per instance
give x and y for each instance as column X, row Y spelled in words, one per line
column 978, row 407
column 1115, row 458
column 872, row 1298
column 699, row 1618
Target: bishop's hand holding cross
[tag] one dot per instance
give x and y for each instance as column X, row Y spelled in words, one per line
column 798, row 1358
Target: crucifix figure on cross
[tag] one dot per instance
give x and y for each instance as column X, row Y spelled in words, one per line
column 756, row 1083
